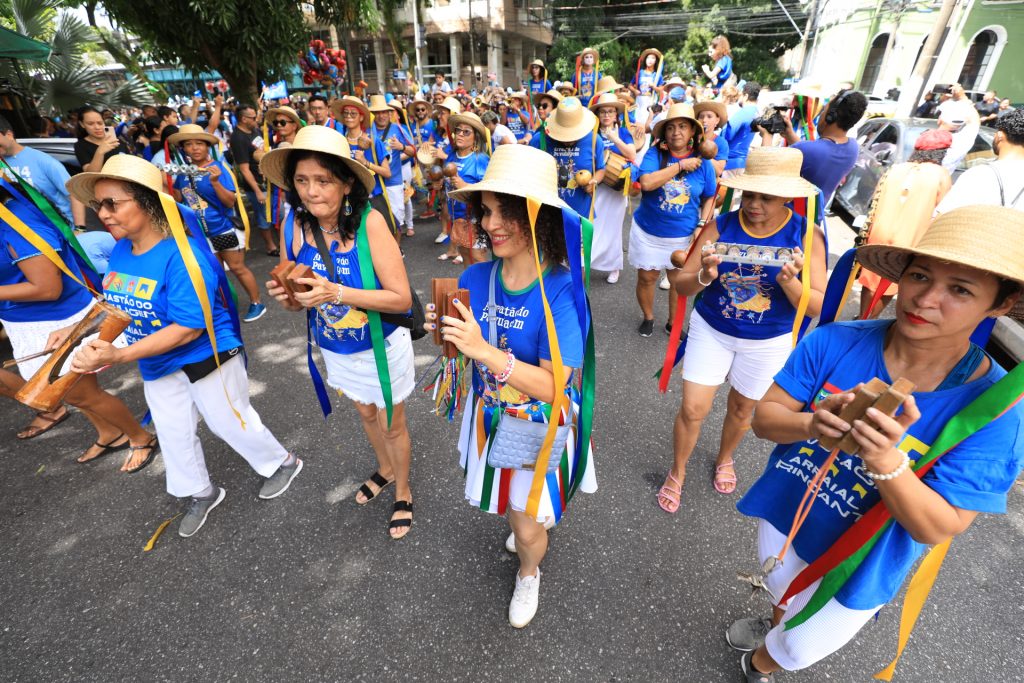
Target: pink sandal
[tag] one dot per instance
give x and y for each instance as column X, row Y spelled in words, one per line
column 725, row 483
column 668, row 497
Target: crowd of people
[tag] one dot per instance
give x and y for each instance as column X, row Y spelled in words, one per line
column 533, row 188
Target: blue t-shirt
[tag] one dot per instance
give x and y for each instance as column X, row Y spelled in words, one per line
column 582, row 155
column 826, row 163
column 204, row 201
column 624, row 135
column 14, row 249
column 392, row 132
column 520, row 319
column 45, row 174
column 539, row 86
column 739, row 135
column 516, row 125
column 975, row 475
column 586, row 85
column 723, row 149
column 646, row 81
column 674, row 208
column 745, row 301
column 471, row 169
column 424, row 133
column 724, row 65
column 155, row 290
column 375, row 155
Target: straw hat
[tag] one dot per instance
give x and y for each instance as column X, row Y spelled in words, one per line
column 648, row 51
column 774, row 171
column 552, row 95
column 681, row 110
column 570, row 121
column 505, row 175
column 521, row 96
column 568, row 86
column 537, row 62
column 285, row 111
column 606, row 84
column 378, row 103
column 191, row 131
column 625, row 95
column 451, row 104
column 674, row 82
column 351, row 101
column 717, row 107
column 985, row 237
column 126, row 167
column 592, row 51
column 317, row 139
column 471, row 120
column 397, row 105
column 608, row 100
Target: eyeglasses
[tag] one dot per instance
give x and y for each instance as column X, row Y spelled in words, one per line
column 544, row 105
column 349, row 112
column 463, row 131
column 109, row 204
column 281, row 123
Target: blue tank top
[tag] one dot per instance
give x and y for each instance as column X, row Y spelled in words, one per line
column 745, row 301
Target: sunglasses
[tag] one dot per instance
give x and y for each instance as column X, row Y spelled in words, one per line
column 350, row 112
column 108, row 204
column 421, row 110
column 281, row 123
column 544, row 105
column 463, row 131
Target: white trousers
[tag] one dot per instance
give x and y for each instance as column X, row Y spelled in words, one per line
column 401, row 207
column 176, row 405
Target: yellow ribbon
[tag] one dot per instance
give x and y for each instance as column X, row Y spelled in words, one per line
column 266, row 181
column 558, row 372
column 917, row 593
column 805, row 272
column 170, row 208
column 239, row 206
column 42, row 245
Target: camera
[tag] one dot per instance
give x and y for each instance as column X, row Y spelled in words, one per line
column 774, row 122
column 656, row 108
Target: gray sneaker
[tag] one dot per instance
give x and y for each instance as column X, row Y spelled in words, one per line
column 752, row 675
column 279, row 481
column 198, row 511
column 748, row 634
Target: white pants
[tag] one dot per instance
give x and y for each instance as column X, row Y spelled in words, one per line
column 831, row 627
column 176, row 405
column 399, row 206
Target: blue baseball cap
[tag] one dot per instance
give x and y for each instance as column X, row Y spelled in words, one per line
column 677, row 94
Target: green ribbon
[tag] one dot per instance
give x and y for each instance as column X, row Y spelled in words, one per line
column 380, row 354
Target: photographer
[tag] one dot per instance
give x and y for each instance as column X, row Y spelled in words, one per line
column 828, row 159
column 738, row 134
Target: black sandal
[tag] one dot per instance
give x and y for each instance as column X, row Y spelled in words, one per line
column 274, row 252
column 381, row 483
column 153, row 448
column 400, row 506
column 107, row 449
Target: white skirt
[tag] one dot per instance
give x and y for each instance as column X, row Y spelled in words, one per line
column 30, row 337
column 609, row 210
column 647, row 252
column 355, row 374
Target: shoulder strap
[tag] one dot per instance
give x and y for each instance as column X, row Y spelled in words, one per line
column 289, row 235
column 999, row 181
column 492, row 323
column 325, row 252
column 380, row 355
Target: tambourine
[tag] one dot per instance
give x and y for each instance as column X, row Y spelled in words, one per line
column 754, row 254
column 875, row 394
column 443, row 291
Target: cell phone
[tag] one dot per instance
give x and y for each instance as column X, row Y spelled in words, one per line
column 107, row 130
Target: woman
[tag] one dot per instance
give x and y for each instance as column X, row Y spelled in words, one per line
column 212, row 196
column 470, row 155
column 500, row 134
column 37, row 303
column 330, row 193
column 171, row 339
column 566, row 89
column 545, row 103
column 610, row 204
column 648, row 85
column 517, row 117
column 570, row 136
column 96, row 141
column 721, row 54
column 538, row 82
column 587, row 74
column 442, row 148
column 513, row 374
column 367, row 149
column 951, row 281
column 678, row 191
column 741, row 327
column 285, row 123
column 712, row 117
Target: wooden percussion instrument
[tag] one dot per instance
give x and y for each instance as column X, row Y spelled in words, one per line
column 363, row 142
column 295, row 272
column 583, row 178
column 708, row 149
column 280, row 275
column 753, row 254
column 434, row 173
column 443, row 290
column 46, row 389
column 425, row 154
column 613, row 166
column 874, row 394
column 451, row 170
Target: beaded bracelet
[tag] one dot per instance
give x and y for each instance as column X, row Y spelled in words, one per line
column 337, row 298
column 892, row 475
column 510, row 363
column 701, row 282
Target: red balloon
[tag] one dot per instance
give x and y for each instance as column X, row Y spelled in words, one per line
column 341, row 53
column 307, row 79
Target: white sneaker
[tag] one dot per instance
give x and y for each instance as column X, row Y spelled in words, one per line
column 441, row 239
column 613, row 277
column 524, row 602
column 510, row 542
column 663, row 283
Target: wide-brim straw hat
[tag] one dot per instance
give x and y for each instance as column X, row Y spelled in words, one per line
column 451, row 104
column 566, row 85
column 570, row 121
column 316, row 139
column 125, row 167
column 674, row 82
column 606, row 84
column 717, row 107
column 537, row 62
column 590, row 50
column 471, row 120
column 191, row 131
column 378, row 103
column 285, row 111
column 649, row 51
column 680, row 110
column 505, row 175
column 351, row 101
column 521, row 96
column 608, row 100
column 396, row 105
column 773, row 171
column 552, row 94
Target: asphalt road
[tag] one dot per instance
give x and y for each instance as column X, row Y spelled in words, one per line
column 309, row 587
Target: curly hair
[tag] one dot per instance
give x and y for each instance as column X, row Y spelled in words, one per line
column 550, row 237
column 149, row 201
column 931, row 156
column 1012, row 126
column 358, row 196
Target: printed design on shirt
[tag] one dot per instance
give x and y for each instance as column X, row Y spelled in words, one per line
column 192, row 199
column 567, row 159
column 675, row 195
column 749, row 294
column 647, row 82
column 341, row 323
column 134, row 285
column 133, row 294
column 507, row 393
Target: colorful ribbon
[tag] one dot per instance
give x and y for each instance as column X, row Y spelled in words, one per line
column 380, row 355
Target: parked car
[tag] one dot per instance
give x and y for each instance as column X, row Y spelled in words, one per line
column 61, row 149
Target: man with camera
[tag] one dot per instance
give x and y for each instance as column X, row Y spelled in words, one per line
column 738, row 133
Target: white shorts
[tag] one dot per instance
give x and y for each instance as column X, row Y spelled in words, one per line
column 832, row 627
column 396, row 198
column 749, row 364
column 647, row 252
column 355, row 374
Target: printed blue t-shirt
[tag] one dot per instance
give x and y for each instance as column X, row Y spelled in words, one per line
column 377, row 152
column 646, row 81
column 827, row 163
column 516, row 125
column 422, row 133
column 471, row 169
column 673, row 209
column 586, row 85
column 975, row 475
column 582, row 155
column 392, row 132
column 155, row 290
column 738, row 134
column 539, row 86
column 203, row 200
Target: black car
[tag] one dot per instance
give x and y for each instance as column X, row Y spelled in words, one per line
column 884, row 142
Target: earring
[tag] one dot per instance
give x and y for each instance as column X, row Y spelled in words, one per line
column 348, row 207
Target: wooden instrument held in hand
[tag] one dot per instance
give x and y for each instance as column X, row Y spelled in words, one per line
column 708, row 149
column 295, row 272
column 583, row 178
column 450, row 170
column 613, row 165
column 425, row 154
column 874, row 394
column 46, row 389
column 280, row 275
column 443, row 290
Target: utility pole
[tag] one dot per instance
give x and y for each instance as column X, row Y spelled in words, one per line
column 911, row 94
column 472, row 49
column 805, row 51
column 418, row 72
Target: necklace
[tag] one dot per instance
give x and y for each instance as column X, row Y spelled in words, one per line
column 329, row 232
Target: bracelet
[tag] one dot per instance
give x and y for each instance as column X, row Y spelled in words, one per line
column 337, row 298
column 510, row 363
column 892, row 475
column 701, row 282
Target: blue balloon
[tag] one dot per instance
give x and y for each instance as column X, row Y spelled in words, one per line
column 388, row 97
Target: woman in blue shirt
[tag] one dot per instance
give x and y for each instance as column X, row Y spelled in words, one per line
column 470, row 155
column 538, row 81
column 648, row 85
column 517, row 117
column 713, row 116
column 949, row 284
column 170, row 337
column 330, row 193
column 611, row 202
column 721, row 54
column 570, row 136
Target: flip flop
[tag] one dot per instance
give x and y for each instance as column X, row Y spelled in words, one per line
column 32, row 431
column 443, row 257
column 405, row 523
column 457, row 259
column 668, row 497
column 725, row 483
column 153, row 447
column 105, row 449
column 273, row 252
column 378, row 479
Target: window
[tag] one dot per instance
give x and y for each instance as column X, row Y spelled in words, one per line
column 873, row 65
column 978, row 57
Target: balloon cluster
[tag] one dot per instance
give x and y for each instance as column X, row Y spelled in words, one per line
column 322, row 65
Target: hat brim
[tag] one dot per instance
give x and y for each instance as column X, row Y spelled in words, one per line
column 572, row 133
column 337, row 106
column 502, row 187
column 178, row 138
column 618, row 104
column 717, row 107
column 471, row 121
column 649, row 51
column 698, row 129
column 774, row 186
column 274, row 162
column 285, row 112
column 538, row 96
